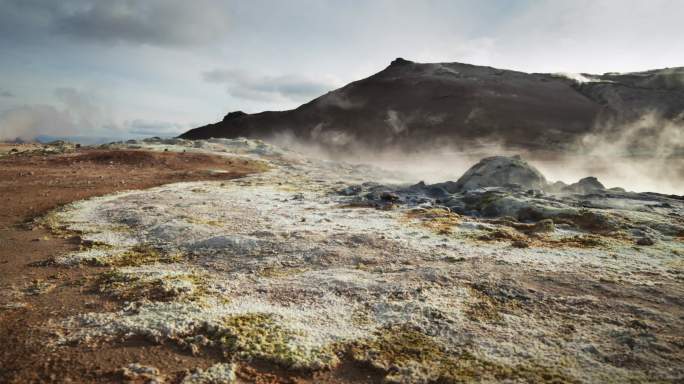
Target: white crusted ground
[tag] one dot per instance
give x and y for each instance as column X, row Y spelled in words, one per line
column 283, row 244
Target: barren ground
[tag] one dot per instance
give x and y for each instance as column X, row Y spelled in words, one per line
column 236, row 257
column 30, row 185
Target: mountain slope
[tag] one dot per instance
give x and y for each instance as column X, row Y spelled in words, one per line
column 415, row 105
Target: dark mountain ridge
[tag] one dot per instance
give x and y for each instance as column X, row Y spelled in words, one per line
column 414, row 105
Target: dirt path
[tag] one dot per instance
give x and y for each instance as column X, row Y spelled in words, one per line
column 32, row 292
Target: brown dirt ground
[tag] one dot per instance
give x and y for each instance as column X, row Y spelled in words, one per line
column 31, row 185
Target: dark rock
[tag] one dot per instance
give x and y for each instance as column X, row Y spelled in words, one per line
column 520, row 244
column 645, row 241
column 400, row 61
column 389, row 196
column 437, row 192
column 234, row 115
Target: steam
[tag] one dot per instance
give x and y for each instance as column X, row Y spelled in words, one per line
column 395, row 122
column 27, row 122
column 78, row 113
column 338, row 99
column 644, row 155
column 329, row 138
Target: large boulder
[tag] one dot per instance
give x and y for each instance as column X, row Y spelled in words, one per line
column 500, row 171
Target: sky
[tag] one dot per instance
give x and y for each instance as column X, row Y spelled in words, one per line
column 139, row 68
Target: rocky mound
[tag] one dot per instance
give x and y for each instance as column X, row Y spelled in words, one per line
column 499, row 171
column 414, row 105
column 509, row 188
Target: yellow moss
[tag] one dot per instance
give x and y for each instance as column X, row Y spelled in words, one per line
column 582, row 241
column 438, row 220
column 39, row 287
column 259, row 336
column 126, row 286
column 141, row 255
column 502, row 233
column 677, row 264
column 507, row 233
column 52, row 223
column 408, row 355
column 482, row 308
column 274, row 272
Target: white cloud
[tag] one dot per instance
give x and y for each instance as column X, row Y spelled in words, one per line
column 143, row 57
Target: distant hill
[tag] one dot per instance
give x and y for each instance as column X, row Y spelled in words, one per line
column 414, row 105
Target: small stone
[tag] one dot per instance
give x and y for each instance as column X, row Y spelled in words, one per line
column 389, row 196
column 645, row 241
column 520, row 244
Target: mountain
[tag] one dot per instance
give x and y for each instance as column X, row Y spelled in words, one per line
column 415, row 105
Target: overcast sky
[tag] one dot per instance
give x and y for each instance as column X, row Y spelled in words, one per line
column 126, row 68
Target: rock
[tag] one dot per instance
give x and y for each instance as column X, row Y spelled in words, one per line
column 219, row 373
column 501, row 171
column 645, row 241
column 437, row 192
column 389, row 196
column 400, row 61
column 541, row 226
column 234, row 115
column 520, row 244
column 351, row 190
column 585, row 186
column 136, row 372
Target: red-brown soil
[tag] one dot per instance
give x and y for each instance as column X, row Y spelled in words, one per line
column 32, row 184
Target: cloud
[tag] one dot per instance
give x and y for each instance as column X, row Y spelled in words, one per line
column 243, row 85
column 150, row 22
column 154, row 22
column 4, row 93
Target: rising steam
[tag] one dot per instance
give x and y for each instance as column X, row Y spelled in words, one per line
column 644, row 155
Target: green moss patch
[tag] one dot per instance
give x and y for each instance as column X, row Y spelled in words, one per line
column 409, row 356
column 260, row 336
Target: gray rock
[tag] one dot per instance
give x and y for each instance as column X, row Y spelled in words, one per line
column 585, row 186
column 351, row 190
column 501, row 171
